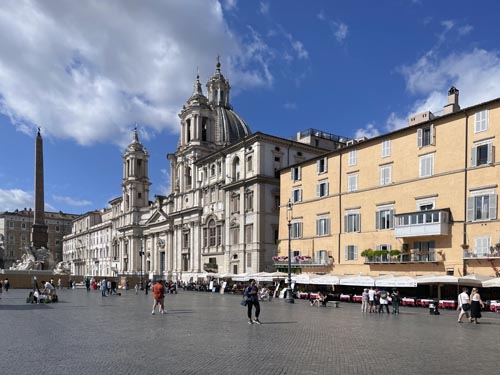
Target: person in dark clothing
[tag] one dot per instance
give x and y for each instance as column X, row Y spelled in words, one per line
column 252, row 297
column 396, row 300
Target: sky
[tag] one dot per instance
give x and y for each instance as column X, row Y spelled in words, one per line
column 88, row 72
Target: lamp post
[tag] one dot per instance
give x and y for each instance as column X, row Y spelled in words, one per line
column 289, row 292
column 141, row 253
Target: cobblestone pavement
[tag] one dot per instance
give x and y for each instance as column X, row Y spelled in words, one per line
column 207, row 333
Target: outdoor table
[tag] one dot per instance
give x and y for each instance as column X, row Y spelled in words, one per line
column 304, row 295
column 447, row 304
column 357, row 298
column 406, row 301
column 495, row 306
column 345, row 297
column 424, row 302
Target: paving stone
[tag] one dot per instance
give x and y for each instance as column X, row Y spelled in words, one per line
column 204, row 333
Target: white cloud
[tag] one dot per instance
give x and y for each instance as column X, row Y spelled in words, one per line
column 464, row 30
column 15, row 199
column 264, row 7
column 300, row 50
column 86, row 76
column 321, row 15
column 165, row 188
column 369, row 131
column 70, row 201
column 394, row 122
column 290, row 105
column 341, row 31
column 230, row 4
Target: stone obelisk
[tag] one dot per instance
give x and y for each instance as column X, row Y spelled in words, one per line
column 39, row 232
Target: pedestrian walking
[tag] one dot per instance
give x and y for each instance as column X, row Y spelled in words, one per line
column 463, row 304
column 365, row 299
column 476, row 305
column 371, row 299
column 59, row 284
column 103, row 285
column 252, row 297
column 396, row 300
column 158, row 297
column 136, row 288
column 384, row 301
column 6, row 285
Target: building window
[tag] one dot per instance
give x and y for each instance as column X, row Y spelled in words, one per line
column 236, row 169
column 212, row 170
column 353, row 157
column 321, row 165
column 249, row 200
column 386, row 148
column 425, row 136
column 295, row 173
column 482, row 246
column 185, row 240
column 384, row 219
column 11, row 224
column 58, row 228
column 219, row 168
column 351, row 252
column 296, row 195
column 219, row 235
column 481, row 121
column 249, row 260
column 276, row 200
column 212, row 233
column 352, row 221
column 352, row 182
column 322, row 189
column 426, row 165
column 296, row 230
column 249, row 233
column 386, row 175
column 482, row 207
column 322, row 226
column 424, row 251
column 23, row 225
column 235, row 235
column 213, row 195
column 249, row 163
column 235, row 203
column 482, row 153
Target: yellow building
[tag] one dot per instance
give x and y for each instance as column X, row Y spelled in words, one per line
column 419, row 200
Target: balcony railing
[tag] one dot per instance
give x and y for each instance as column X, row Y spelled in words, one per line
column 422, row 223
column 299, row 263
column 475, row 254
column 410, row 257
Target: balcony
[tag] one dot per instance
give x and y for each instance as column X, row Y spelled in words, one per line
column 413, row 256
column 422, row 223
column 493, row 253
column 301, row 261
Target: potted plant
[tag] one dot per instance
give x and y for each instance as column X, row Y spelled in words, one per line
column 368, row 254
column 395, row 254
column 377, row 254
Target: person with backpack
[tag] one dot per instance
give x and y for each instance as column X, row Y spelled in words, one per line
column 384, row 301
column 158, row 297
column 251, row 295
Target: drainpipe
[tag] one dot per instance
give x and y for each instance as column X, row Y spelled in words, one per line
column 466, row 153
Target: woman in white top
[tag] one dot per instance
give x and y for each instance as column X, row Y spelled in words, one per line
column 475, row 306
column 463, row 304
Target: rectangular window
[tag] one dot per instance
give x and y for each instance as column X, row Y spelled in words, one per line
column 296, row 174
column 322, row 226
column 235, row 235
column 249, row 163
column 296, row 195
column 351, row 252
column 481, row 121
column 212, row 235
column 482, row 154
column 386, row 175
column 482, row 207
column 296, row 230
column 322, row 189
column 386, row 148
column 321, row 165
column 352, row 182
column 249, row 233
column 352, row 222
column 185, row 240
column 353, row 157
column 213, row 195
column 23, row 225
column 235, row 203
column 384, row 219
column 11, row 224
column 424, row 251
column 249, row 200
column 426, row 165
column 482, row 246
column 219, row 235
column 249, row 260
column 425, row 136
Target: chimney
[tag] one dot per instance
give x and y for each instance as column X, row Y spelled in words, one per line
column 452, row 105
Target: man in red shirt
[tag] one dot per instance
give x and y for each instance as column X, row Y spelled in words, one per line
column 159, row 296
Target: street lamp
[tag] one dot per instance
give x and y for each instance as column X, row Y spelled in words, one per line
column 141, row 253
column 289, row 293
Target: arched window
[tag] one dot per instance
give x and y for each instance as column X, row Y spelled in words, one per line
column 236, row 168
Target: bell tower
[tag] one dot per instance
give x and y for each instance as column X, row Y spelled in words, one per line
column 135, row 182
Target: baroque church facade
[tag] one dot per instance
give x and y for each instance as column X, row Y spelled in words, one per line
column 222, row 214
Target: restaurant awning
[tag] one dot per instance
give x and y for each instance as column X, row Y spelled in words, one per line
column 360, row 280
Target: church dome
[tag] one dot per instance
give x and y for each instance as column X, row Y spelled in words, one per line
column 232, row 126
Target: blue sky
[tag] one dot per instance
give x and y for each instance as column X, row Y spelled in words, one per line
column 87, row 73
